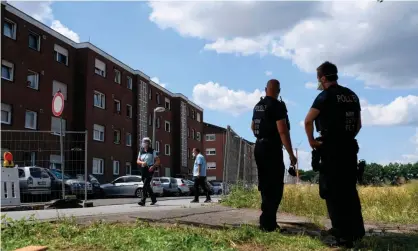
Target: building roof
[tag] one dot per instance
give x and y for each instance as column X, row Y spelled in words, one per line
column 94, row 48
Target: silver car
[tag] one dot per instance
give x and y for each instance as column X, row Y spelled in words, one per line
column 125, row 186
column 34, row 180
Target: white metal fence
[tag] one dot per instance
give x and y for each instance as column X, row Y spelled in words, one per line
column 42, row 175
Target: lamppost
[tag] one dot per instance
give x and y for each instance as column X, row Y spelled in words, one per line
column 158, row 109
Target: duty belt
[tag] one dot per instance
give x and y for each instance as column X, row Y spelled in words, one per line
column 262, row 140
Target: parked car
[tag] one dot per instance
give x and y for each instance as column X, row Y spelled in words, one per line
column 34, row 180
column 190, row 184
column 170, row 185
column 184, row 188
column 128, row 186
column 94, row 181
column 217, row 186
column 72, row 185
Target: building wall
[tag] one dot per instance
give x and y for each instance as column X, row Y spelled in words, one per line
column 219, row 145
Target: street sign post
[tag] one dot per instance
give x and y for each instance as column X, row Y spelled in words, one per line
column 57, row 109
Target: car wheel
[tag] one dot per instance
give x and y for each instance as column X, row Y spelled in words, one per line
column 138, row 193
column 219, row 192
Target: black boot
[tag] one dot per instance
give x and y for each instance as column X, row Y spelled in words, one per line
column 141, row 203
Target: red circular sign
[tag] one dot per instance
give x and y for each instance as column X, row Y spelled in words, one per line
column 58, row 104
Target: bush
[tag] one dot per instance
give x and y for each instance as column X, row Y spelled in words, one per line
column 391, row 204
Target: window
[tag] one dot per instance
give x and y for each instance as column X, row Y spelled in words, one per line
column 115, row 167
column 210, row 137
column 7, row 70
column 158, row 122
column 211, row 165
column 129, row 111
column 167, row 104
column 150, row 94
column 116, row 136
column 116, row 104
column 100, row 68
column 188, row 153
column 6, row 114
column 150, row 119
column 55, row 161
column 157, row 146
column 58, row 86
column 61, row 54
column 99, row 100
column 167, row 126
column 98, row 166
column 210, row 151
column 34, row 41
column 193, row 137
column 193, row 114
column 117, row 76
column 198, row 136
column 129, row 83
column 128, row 168
column 188, row 132
column 31, row 119
column 9, row 29
column 158, row 98
column 98, row 132
column 188, row 111
column 167, row 149
column 198, row 117
column 55, row 126
column 32, row 80
column 128, row 139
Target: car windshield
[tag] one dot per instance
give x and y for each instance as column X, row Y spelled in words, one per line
column 35, row 172
column 58, row 173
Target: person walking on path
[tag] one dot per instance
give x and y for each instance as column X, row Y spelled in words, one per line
column 199, row 175
column 148, row 161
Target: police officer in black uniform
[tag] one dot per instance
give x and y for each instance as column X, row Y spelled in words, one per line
column 270, row 125
column 336, row 112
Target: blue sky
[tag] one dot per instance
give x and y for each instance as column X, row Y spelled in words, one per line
column 188, row 46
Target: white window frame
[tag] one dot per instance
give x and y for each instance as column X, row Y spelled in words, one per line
column 56, row 86
column 118, row 76
column 60, row 50
column 128, row 166
column 169, row 149
column 211, row 165
column 198, row 136
column 209, row 150
column 169, row 126
column 208, row 137
column 118, row 111
column 167, row 101
column 198, row 116
column 56, row 131
column 7, row 108
column 35, row 122
column 116, row 164
column 10, row 66
column 100, row 168
column 100, row 67
column 115, row 139
column 102, row 100
column 14, row 28
column 129, row 82
column 128, row 139
column 101, row 130
column 129, row 108
column 36, row 80
column 157, row 146
column 38, row 45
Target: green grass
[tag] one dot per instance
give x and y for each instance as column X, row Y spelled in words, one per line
column 67, row 235
column 379, row 204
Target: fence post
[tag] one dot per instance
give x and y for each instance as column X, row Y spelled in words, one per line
column 239, row 158
column 85, row 167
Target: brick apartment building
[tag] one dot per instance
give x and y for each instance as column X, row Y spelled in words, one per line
column 214, row 150
column 114, row 102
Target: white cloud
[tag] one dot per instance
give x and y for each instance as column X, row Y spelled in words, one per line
column 401, row 111
column 304, row 159
column 42, row 12
column 311, row 85
column 367, row 40
column 157, row 80
column 216, row 97
column 268, row 73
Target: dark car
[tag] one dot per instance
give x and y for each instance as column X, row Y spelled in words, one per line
column 72, row 185
column 217, row 186
column 94, row 181
column 192, row 190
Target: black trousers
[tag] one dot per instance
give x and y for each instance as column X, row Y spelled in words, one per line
column 337, row 185
column 201, row 182
column 269, row 159
column 147, row 189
